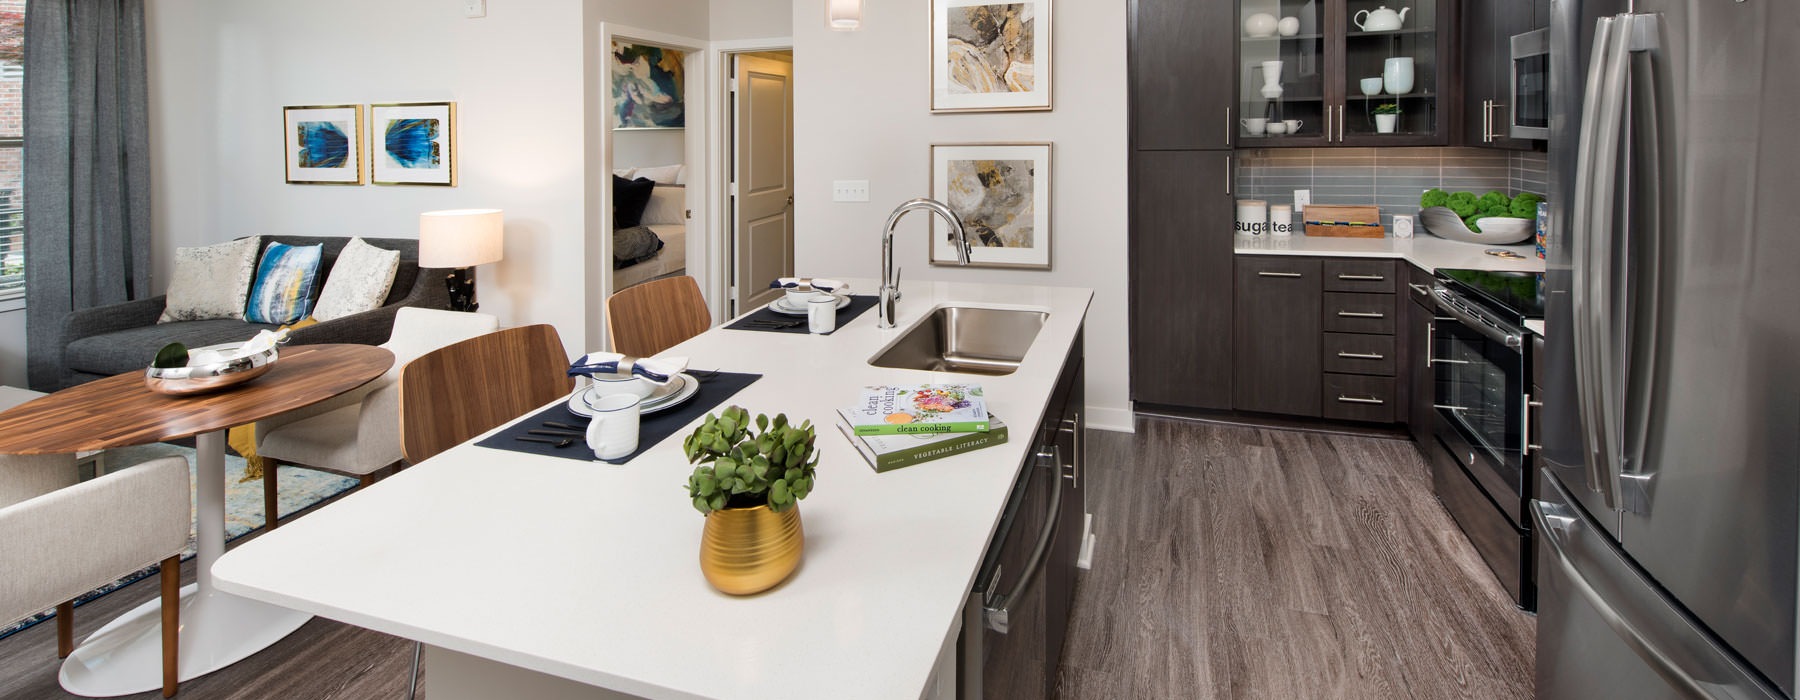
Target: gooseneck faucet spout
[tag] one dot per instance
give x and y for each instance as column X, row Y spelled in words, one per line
column 890, row 279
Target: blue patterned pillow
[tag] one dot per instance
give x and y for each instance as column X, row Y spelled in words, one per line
column 284, row 282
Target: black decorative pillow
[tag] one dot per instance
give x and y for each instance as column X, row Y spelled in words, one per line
column 634, row 245
column 629, row 199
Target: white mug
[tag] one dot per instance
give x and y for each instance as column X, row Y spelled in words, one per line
column 1293, row 125
column 613, row 431
column 1255, row 125
column 821, row 313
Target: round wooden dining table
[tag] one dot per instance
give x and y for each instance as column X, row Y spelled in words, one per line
column 217, row 628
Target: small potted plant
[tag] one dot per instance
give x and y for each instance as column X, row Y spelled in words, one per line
column 1387, row 116
column 749, row 485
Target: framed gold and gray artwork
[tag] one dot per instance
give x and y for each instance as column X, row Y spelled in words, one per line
column 1001, row 191
column 990, row 57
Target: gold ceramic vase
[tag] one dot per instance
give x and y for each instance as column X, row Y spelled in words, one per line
column 750, row 550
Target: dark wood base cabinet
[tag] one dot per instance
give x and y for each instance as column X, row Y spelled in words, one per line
column 1315, row 337
column 1181, row 252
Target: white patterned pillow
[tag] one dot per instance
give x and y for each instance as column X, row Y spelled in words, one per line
column 358, row 282
column 211, row 281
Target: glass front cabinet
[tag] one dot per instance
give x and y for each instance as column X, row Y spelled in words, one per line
column 1323, row 73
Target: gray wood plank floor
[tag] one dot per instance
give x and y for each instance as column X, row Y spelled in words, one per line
column 1238, row 562
column 1233, row 562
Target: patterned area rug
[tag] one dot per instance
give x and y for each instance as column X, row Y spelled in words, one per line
column 300, row 489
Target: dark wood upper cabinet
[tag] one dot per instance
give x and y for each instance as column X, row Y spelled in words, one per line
column 1181, row 68
column 1325, row 62
column 1181, row 253
column 1277, row 334
column 1487, row 30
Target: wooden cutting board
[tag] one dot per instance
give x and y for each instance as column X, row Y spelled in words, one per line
column 1344, row 221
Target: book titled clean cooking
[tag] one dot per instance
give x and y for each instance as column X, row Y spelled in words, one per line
column 889, row 452
column 919, row 408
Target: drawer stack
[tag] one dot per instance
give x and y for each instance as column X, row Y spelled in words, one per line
column 1359, row 346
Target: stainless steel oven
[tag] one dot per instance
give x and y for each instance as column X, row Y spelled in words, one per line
column 1530, row 85
column 1478, row 452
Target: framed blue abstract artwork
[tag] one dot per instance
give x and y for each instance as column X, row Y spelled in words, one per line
column 324, row 144
column 647, row 84
column 415, row 143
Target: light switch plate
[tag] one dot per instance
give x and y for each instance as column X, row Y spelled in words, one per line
column 1301, row 199
column 474, row 8
column 849, row 190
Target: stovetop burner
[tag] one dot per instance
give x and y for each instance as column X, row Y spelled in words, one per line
column 1520, row 294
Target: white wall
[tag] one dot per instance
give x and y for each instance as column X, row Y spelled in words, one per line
column 221, row 70
column 689, row 18
column 862, row 107
column 642, row 148
column 753, row 19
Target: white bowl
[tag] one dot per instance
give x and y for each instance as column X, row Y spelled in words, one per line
column 610, row 384
column 1495, row 230
column 797, row 296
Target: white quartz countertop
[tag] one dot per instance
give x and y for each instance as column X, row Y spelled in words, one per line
column 1422, row 250
column 590, row 571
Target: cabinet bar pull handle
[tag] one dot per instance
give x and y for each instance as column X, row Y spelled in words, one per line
column 1363, row 355
column 1361, row 314
column 1230, row 126
column 1228, row 176
column 1340, row 123
column 1362, row 278
column 1357, row 399
column 1421, row 289
column 1487, row 121
column 1278, row 274
column 1328, row 124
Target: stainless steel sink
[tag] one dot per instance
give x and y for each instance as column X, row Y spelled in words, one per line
column 965, row 339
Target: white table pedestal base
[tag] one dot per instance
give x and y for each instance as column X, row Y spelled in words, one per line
column 217, row 630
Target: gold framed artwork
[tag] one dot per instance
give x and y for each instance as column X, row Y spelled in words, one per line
column 1001, row 191
column 990, row 56
column 415, row 143
column 324, row 144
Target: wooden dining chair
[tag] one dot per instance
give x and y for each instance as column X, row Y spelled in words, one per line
column 654, row 316
column 460, row 391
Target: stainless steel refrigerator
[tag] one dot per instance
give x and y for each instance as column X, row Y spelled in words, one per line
column 1669, row 503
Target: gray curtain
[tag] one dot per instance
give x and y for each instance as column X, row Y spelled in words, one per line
column 87, row 167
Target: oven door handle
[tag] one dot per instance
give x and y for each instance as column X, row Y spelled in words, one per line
column 998, row 615
column 1498, row 332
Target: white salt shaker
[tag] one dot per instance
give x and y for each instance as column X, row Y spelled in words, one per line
column 821, row 313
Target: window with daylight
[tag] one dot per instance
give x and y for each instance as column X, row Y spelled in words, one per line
column 12, row 149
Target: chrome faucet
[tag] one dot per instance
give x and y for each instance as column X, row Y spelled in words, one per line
column 890, row 280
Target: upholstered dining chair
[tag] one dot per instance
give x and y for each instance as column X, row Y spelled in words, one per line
column 359, row 433
column 460, row 391
column 651, row 317
column 60, row 539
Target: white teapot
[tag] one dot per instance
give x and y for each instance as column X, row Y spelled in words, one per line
column 1381, row 19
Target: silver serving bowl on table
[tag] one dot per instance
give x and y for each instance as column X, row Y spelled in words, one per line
column 228, row 369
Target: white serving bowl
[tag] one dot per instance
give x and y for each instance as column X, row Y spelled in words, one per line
column 1495, row 230
column 610, row 384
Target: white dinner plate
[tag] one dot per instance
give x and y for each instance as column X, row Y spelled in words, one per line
column 664, row 397
column 781, row 306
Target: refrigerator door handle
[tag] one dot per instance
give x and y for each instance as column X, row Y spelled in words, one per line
column 1596, row 189
column 1654, row 626
column 1642, row 205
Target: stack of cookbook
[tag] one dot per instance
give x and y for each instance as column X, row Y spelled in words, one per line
column 899, row 426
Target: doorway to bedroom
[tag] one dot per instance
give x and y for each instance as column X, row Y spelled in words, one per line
column 655, row 85
column 759, row 167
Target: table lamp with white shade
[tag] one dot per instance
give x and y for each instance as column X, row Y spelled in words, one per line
column 460, row 239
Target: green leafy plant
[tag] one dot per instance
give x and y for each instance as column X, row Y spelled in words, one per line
column 1388, row 108
column 774, row 464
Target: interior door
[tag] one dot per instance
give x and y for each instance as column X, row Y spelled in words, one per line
column 762, row 179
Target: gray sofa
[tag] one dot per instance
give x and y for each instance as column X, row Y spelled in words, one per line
column 108, row 340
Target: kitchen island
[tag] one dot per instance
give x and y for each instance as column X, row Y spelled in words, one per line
column 549, row 577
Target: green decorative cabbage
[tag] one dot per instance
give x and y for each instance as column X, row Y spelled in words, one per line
column 1434, row 197
column 1524, row 206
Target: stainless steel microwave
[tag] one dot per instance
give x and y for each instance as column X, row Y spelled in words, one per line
column 1530, row 85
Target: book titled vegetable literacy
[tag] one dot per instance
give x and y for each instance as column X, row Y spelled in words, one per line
column 928, row 408
column 889, row 452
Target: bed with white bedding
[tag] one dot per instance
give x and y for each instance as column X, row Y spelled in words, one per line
column 666, row 216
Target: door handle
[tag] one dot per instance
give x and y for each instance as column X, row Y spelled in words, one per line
column 1073, row 428
column 1230, row 126
column 1487, row 121
column 1229, row 174
column 999, row 615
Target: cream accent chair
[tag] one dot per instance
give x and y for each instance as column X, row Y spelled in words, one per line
column 59, row 539
column 358, row 433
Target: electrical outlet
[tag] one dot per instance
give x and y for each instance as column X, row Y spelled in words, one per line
column 474, row 8
column 1301, row 199
column 849, row 190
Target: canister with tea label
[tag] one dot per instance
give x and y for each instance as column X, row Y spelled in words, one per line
column 1281, row 220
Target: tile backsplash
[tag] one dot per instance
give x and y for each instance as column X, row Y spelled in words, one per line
column 1391, row 178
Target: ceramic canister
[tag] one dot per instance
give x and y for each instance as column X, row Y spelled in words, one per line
column 1252, row 217
column 1281, row 220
